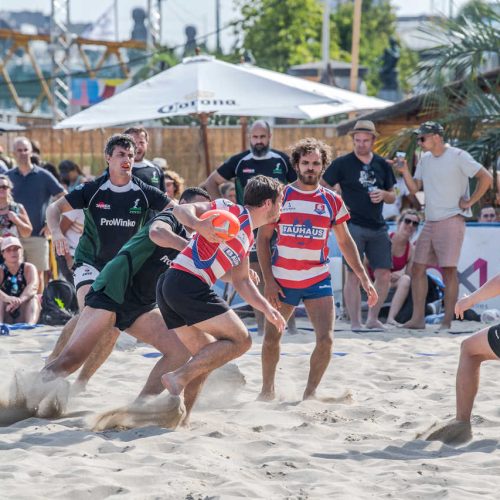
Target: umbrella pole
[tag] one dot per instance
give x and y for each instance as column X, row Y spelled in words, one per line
column 204, row 136
column 244, row 131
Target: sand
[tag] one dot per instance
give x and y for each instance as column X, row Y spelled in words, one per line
column 398, row 384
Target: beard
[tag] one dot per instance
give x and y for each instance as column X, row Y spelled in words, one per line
column 259, row 150
column 308, row 179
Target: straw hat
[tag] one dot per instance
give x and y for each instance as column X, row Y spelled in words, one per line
column 364, row 126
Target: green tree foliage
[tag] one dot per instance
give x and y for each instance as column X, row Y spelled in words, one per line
column 281, row 33
column 377, row 25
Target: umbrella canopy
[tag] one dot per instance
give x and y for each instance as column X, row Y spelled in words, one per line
column 10, row 127
column 204, row 85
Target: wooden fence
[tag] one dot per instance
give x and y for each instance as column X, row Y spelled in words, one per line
column 181, row 146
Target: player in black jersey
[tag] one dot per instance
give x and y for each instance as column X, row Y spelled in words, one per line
column 116, row 206
column 124, row 296
column 144, row 169
column 259, row 159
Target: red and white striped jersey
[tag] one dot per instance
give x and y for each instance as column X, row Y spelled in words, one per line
column 301, row 256
column 209, row 261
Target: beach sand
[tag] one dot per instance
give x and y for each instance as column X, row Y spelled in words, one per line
column 400, row 382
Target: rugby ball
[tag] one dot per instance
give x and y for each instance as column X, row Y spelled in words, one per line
column 226, row 224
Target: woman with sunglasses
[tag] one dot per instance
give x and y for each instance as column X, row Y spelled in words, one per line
column 402, row 256
column 14, row 220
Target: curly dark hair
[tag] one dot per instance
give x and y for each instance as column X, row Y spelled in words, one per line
column 122, row 140
column 309, row 145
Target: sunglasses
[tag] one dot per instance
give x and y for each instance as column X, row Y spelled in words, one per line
column 411, row 221
column 421, row 139
column 4, row 187
column 488, row 216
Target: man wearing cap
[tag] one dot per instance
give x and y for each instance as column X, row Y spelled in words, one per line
column 443, row 172
column 18, row 285
column 367, row 182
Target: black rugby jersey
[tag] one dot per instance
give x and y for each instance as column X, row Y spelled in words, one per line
column 113, row 214
column 150, row 174
column 131, row 276
column 244, row 166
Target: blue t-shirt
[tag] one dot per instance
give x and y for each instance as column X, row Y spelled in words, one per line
column 34, row 191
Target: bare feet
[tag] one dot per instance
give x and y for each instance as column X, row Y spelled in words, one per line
column 170, row 383
column 413, row 325
column 393, row 322
column 266, row 396
column 345, row 398
column 375, row 324
column 443, row 327
column 356, row 326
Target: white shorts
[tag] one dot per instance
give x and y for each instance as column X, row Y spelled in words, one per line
column 84, row 274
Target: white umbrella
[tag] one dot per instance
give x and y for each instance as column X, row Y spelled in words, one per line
column 10, row 127
column 202, row 85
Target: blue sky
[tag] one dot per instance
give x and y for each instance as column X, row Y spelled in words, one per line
column 201, row 13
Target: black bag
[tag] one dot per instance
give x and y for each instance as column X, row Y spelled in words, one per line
column 59, row 303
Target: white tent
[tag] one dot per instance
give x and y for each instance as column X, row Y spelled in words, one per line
column 203, row 85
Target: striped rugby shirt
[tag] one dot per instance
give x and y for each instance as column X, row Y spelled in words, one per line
column 300, row 259
column 209, row 261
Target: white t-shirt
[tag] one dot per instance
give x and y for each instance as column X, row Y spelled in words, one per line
column 74, row 232
column 391, row 210
column 445, row 180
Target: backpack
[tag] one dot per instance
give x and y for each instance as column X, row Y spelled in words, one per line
column 59, row 303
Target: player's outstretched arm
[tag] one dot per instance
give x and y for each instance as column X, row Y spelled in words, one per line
column 249, row 292
column 351, row 255
column 188, row 214
column 489, row 290
column 161, row 234
column 54, row 211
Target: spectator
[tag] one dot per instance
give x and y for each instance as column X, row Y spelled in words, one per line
column 366, row 180
column 33, row 188
column 402, row 256
column 18, row 285
column 72, row 228
column 259, row 159
column 487, row 214
column 51, row 168
column 228, row 191
column 71, row 175
column 174, row 184
column 5, row 160
column 147, row 171
column 161, row 162
column 443, row 172
column 14, row 220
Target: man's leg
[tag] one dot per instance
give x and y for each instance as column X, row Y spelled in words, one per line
column 321, row 312
column 232, row 340
column 63, row 339
column 271, row 354
column 418, row 294
column 450, row 278
column 352, row 297
column 151, row 329
column 398, row 299
column 382, row 283
column 473, row 352
column 259, row 317
column 93, row 323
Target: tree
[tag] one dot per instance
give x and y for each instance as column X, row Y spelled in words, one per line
column 281, row 33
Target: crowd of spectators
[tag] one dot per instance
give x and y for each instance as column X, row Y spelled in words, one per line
column 376, row 191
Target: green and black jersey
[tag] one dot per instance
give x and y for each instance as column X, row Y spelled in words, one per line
column 150, row 174
column 113, row 214
column 131, row 276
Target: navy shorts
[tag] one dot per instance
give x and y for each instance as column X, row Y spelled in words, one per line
column 294, row 295
column 374, row 243
column 494, row 339
column 184, row 299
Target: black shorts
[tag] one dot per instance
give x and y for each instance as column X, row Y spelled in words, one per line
column 126, row 313
column 494, row 339
column 184, row 299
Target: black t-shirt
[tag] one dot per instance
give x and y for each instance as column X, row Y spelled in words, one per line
column 113, row 214
column 150, row 174
column 244, row 166
column 131, row 276
column 356, row 181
